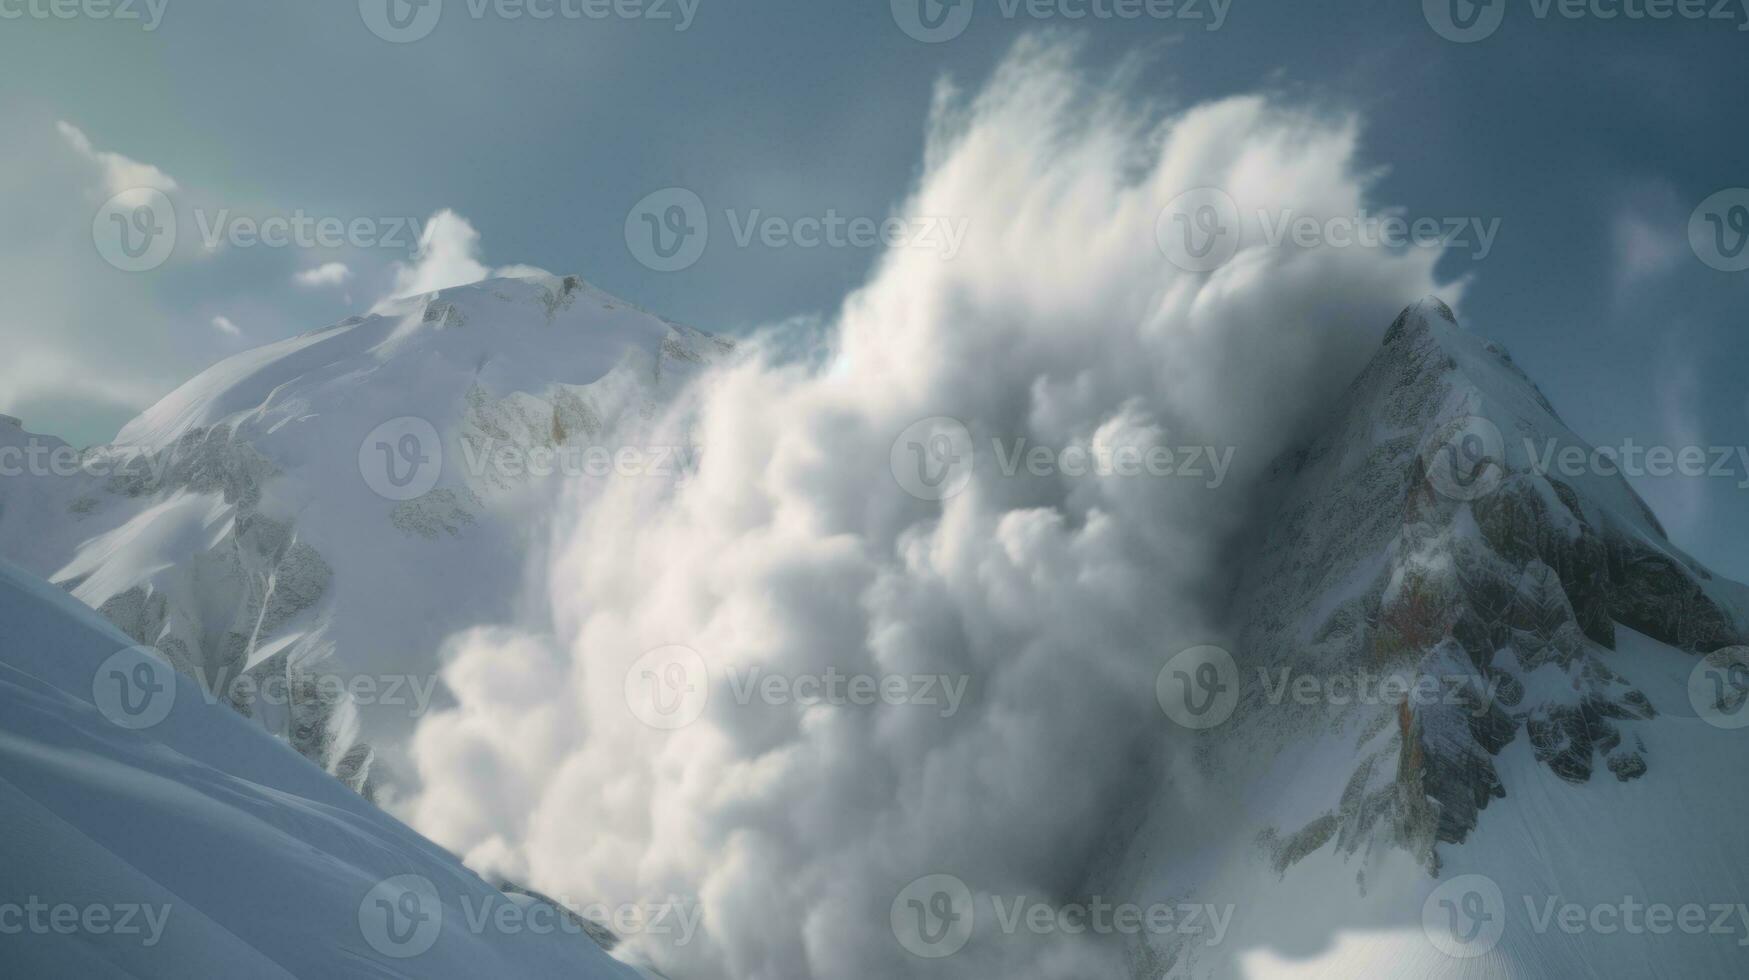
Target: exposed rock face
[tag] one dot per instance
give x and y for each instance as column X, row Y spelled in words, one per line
column 1417, row 538
column 214, row 614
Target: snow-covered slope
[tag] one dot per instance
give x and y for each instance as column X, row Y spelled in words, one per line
column 1542, row 745
column 146, row 832
column 302, row 526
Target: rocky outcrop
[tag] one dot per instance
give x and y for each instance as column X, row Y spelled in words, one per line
column 1497, row 585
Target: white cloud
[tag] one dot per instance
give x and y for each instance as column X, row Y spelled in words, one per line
column 1648, row 233
column 327, row 274
column 84, row 347
column 1644, row 249
column 224, row 325
column 120, row 173
column 449, row 255
column 794, row 550
column 449, row 250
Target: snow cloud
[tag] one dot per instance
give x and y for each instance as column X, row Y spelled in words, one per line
column 326, row 274
column 120, row 174
column 449, row 255
column 795, row 821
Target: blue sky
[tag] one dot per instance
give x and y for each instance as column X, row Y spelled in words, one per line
column 1592, row 140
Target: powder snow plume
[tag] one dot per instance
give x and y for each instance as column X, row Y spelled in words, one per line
column 1054, row 596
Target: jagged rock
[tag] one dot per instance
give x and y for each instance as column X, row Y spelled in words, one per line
column 1510, row 589
column 1662, row 598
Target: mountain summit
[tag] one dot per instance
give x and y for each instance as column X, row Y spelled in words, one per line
column 334, row 506
column 1451, row 656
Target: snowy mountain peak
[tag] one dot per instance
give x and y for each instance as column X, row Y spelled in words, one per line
column 508, row 334
column 1423, row 316
column 1422, row 536
column 240, row 524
